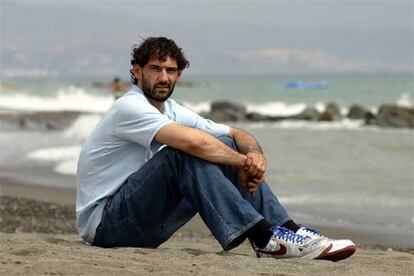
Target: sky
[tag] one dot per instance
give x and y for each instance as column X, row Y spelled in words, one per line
column 45, row 38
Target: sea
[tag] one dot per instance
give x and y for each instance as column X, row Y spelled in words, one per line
column 336, row 174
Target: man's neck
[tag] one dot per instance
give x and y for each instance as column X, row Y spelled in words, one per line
column 158, row 105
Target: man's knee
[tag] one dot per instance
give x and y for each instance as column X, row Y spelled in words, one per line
column 228, row 141
column 172, row 152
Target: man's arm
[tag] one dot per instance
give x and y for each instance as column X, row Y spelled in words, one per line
column 200, row 144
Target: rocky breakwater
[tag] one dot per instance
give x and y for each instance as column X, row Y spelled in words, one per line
column 387, row 115
column 38, row 120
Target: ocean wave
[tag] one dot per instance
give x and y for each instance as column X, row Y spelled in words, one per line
column 38, row 120
column 406, row 99
column 70, row 98
column 65, row 157
column 358, row 201
column 82, row 126
column 343, row 124
column 275, row 108
column 68, row 167
column 76, row 110
column 55, row 153
column 75, row 98
column 78, row 125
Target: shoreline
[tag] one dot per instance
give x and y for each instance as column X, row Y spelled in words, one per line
column 48, row 194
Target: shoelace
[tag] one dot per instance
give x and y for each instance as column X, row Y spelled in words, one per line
column 310, row 230
column 287, row 235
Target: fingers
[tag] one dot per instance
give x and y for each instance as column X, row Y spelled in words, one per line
column 254, row 183
column 253, row 174
column 256, row 164
column 249, row 162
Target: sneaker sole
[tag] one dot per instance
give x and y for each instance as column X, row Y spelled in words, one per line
column 317, row 255
column 339, row 254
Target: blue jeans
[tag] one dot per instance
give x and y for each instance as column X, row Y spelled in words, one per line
column 168, row 190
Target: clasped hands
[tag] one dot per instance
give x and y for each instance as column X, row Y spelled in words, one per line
column 252, row 173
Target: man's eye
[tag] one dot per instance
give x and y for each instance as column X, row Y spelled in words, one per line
column 171, row 70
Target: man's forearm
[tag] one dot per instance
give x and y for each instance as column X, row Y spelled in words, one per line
column 213, row 150
column 200, row 144
column 244, row 141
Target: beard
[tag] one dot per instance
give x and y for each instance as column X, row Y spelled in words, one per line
column 152, row 93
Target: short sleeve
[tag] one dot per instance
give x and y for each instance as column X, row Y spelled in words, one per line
column 139, row 123
column 189, row 118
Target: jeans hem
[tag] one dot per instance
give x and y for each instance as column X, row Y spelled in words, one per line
column 240, row 232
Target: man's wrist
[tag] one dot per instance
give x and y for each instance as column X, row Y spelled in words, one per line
column 241, row 161
column 259, row 152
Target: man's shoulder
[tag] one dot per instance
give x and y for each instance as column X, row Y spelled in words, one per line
column 131, row 99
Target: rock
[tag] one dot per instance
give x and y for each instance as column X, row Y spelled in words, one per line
column 395, row 116
column 257, row 117
column 332, row 113
column 358, row 112
column 227, row 111
column 309, row 114
column 370, row 119
column 217, row 116
column 39, row 120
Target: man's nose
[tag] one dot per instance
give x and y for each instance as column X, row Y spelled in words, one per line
column 163, row 75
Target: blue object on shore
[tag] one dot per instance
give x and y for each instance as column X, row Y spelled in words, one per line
column 305, row 85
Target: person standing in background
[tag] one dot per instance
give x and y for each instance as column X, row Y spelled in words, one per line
column 117, row 88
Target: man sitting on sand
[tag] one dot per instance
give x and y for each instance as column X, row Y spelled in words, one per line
column 151, row 164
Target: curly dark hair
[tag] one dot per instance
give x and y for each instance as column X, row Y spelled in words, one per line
column 160, row 47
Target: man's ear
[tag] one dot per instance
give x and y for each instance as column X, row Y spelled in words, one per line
column 179, row 75
column 137, row 70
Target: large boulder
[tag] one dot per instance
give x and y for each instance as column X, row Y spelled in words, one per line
column 358, row 112
column 227, row 111
column 308, row 114
column 331, row 113
column 395, row 116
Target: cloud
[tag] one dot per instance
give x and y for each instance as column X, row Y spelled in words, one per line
column 313, row 60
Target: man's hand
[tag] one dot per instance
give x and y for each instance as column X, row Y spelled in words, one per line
column 249, row 183
column 255, row 164
column 252, row 173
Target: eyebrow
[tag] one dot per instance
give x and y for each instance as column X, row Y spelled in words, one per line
column 167, row 67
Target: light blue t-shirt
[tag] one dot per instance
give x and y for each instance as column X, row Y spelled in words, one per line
column 120, row 144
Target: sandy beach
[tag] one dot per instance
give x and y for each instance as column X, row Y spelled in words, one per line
column 39, row 238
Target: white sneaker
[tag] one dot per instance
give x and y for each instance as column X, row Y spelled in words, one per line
column 285, row 243
column 341, row 249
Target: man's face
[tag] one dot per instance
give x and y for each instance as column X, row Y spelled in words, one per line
column 158, row 78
